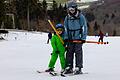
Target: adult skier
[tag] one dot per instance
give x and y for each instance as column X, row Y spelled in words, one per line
column 75, row 29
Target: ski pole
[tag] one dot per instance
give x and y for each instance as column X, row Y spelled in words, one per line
column 78, row 41
column 56, row 31
column 75, row 41
column 97, row 42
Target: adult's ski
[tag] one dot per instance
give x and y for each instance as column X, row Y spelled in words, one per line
column 72, row 74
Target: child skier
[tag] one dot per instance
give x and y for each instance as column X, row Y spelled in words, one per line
column 58, row 49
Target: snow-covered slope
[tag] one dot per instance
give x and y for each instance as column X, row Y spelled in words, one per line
column 23, row 53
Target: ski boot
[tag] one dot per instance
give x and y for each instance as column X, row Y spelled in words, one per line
column 77, row 71
column 49, row 70
column 68, row 70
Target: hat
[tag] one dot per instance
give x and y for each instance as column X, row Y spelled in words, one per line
column 59, row 26
column 72, row 4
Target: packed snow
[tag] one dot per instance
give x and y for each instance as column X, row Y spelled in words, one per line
column 23, row 53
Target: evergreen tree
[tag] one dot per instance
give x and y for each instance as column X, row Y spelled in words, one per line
column 55, row 10
column 39, row 12
column 54, row 6
column 21, row 7
column 64, row 11
column 65, row 7
column 44, row 8
column 2, row 11
column 90, row 17
column 60, row 13
column 104, row 21
column 112, row 16
column 106, row 15
column 95, row 26
column 114, row 32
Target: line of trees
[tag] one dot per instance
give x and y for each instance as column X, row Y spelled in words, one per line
column 37, row 11
column 2, row 11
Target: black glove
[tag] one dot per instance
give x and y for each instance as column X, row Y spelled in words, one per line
column 49, row 35
column 82, row 41
column 66, row 48
column 65, row 42
column 51, row 53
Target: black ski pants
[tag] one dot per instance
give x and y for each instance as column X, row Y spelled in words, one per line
column 74, row 48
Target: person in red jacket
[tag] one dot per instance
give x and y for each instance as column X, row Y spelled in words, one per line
column 101, row 36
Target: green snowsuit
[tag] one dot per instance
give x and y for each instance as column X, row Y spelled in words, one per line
column 58, row 50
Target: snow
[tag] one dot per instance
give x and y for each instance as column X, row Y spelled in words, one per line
column 23, row 53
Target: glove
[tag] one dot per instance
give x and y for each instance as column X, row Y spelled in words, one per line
column 66, row 48
column 65, row 42
column 82, row 41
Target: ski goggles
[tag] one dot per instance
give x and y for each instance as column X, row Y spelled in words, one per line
column 71, row 9
column 59, row 29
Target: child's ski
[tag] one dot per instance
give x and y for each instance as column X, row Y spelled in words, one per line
column 56, row 74
column 52, row 73
column 41, row 72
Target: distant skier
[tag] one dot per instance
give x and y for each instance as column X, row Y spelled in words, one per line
column 58, row 49
column 101, row 36
column 49, row 37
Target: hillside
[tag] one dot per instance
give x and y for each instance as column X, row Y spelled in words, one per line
column 107, row 15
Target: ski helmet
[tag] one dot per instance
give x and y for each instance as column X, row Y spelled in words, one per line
column 72, row 4
column 59, row 26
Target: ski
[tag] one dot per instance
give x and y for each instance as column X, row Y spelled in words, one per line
column 56, row 74
column 52, row 73
column 63, row 75
column 41, row 72
column 72, row 74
